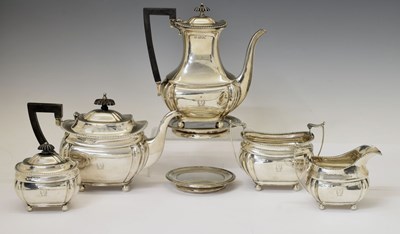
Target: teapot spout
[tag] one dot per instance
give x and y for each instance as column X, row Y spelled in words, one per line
column 156, row 144
column 244, row 79
column 365, row 152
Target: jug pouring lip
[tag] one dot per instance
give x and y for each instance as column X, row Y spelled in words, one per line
column 355, row 157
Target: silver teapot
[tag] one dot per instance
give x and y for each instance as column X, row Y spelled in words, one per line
column 46, row 179
column 110, row 147
column 200, row 88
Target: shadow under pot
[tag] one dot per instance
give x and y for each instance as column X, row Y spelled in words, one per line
column 268, row 158
column 110, row 147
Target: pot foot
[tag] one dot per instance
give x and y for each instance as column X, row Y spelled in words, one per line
column 258, row 187
column 321, row 207
column 181, row 124
column 64, row 207
column 126, row 188
column 81, row 188
column 353, row 207
column 28, row 208
column 219, row 124
column 296, row 187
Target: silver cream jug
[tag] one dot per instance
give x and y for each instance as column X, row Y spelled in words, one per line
column 340, row 180
column 200, row 88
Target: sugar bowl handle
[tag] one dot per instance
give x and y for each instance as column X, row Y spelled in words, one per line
column 171, row 12
column 34, row 108
column 321, row 125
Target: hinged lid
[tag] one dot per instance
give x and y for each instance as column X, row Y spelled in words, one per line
column 201, row 21
column 103, row 122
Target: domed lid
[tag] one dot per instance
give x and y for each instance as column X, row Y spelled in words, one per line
column 103, row 122
column 201, row 21
column 45, row 162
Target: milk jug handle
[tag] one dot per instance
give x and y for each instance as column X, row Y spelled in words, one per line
column 171, row 12
column 34, row 108
column 321, row 125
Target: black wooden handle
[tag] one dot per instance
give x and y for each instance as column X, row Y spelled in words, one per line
column 171, row 12
column 34, row 108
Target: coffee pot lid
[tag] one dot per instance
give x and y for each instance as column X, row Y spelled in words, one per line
column 103, row 122
column 201, row 21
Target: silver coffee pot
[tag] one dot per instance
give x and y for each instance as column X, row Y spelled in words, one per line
column 200, row 88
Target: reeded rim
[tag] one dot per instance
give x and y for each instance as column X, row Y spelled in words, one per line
column 67, row 126
column 227, row 177
column 277, row 138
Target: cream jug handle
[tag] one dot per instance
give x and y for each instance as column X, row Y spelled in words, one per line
column 34, row 108
column 171, row 12
column 321, row 125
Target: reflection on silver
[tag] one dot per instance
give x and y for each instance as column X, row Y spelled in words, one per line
column 200, row 88
column 338, row 180
column 204, row 130
column 200, row 179
column 268, row 158
column 110, row 147
column 46, row 180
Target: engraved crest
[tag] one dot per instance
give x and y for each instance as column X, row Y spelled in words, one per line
column 278, row 167
column 100, row 166
column 43, row 192
column 339, row 192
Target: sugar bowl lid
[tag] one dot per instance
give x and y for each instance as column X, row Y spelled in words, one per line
column 201, row 21
column 47, row 162
column 103, row 122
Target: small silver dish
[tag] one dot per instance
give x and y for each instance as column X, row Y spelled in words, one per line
column 200, row 179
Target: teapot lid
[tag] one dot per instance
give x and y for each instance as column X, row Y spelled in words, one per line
column 45, row 163
column 201, row 21
column 103, row 122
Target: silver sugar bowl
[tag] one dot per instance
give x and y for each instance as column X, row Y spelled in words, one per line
column 46, row 179
column 268, row 158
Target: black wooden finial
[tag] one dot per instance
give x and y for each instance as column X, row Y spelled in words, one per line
column 104, row 102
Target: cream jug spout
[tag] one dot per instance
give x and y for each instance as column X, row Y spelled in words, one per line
column 365, row 152
column 156, row 144
column 244, row 79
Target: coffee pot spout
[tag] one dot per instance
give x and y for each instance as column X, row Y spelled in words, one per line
column 244, row 79
column 156, row 144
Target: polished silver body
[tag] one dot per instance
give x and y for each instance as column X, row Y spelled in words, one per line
column 268, row 158
column 200, row 88
column 46, row 182
column 107, row 162
column 338, row 180
column 110, row 147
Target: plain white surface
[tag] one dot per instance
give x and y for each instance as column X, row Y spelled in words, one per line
column 154, row 205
